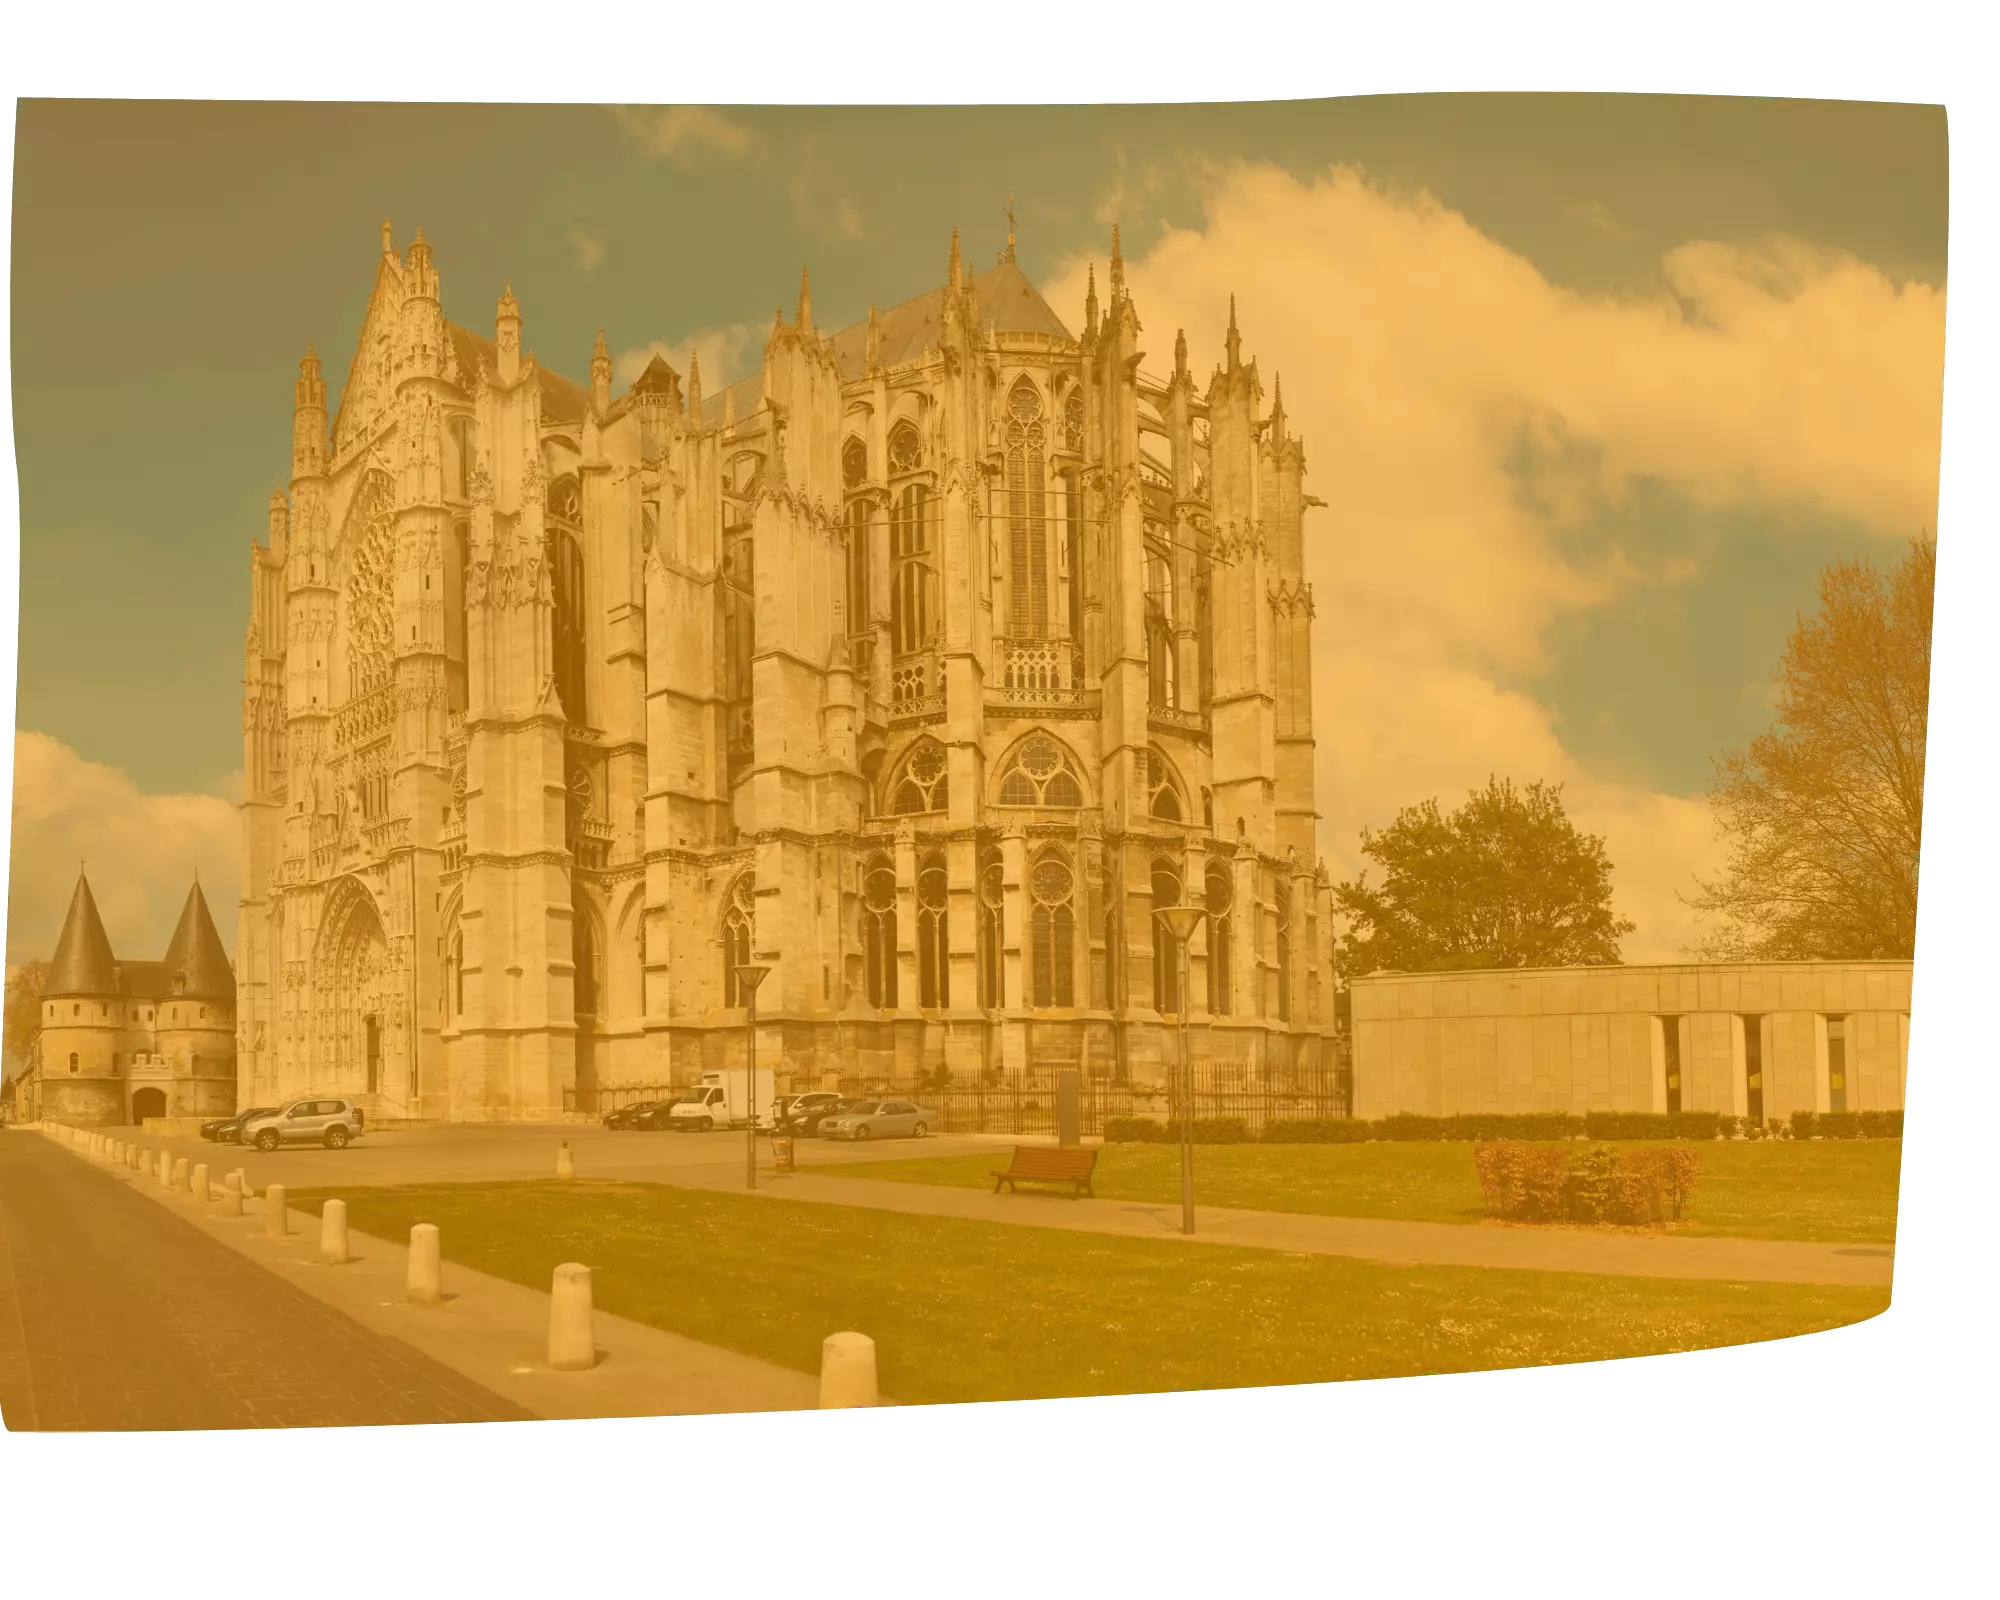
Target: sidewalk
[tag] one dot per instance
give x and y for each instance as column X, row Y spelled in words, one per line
column 489, row 1330
column 1439, row 1244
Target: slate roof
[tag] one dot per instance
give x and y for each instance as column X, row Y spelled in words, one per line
column 562, row 400
column 196, row 962
column 83, row 963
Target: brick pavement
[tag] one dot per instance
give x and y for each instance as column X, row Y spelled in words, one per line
column 115, row 1314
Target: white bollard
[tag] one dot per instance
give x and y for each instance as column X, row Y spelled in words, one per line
column 180, row 1174
column 132, row 1157
column 242, row 1177
column 333, row 1233
column 276, row 1223
column 166, row 1169
column 232, row 1198
column 572, row 1334
column 424, row 1284
column 198, row 1182
column 565, row 1166
column 846, row 1371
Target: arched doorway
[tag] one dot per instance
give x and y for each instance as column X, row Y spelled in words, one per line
column 356, row 1024
column 148, row 1103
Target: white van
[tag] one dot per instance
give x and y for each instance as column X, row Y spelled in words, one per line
column 722, row 1100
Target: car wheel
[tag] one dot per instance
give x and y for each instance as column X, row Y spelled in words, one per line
column 704, row 1124
column 336, row 1138
column 863, row 1133
column 919, row 1131
column 268, row 1139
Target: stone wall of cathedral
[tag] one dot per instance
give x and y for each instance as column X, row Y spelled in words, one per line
column 922, row 667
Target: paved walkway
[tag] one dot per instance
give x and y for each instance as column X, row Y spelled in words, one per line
column 115, row 1315
column 489, row 1331
column 1441, row 1244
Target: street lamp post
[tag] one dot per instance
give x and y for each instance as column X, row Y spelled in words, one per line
column 749, row 974
column 1181, row 921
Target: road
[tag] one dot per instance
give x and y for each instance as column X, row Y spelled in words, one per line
column 116, row 1315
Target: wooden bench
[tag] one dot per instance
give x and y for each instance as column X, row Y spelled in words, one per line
column 1038, row 1164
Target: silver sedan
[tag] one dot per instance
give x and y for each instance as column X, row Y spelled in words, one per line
column 879, row 1119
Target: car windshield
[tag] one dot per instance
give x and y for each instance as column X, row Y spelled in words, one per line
column 860, row 1108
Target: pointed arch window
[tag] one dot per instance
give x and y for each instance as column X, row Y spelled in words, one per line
column 1027, row 513
column 1162, row 689
column 455, row 972
column 878, row 931
column 1281, row 906
column 992, row 903
column 738, row 913
column 583, row 952
column 854, row 464
column 1221, row 895
column 1166, row 957
column 1040, row 773
column 1163, row 791
column 906, row 450
column 1073, row 421
column 568, row 647
column 1052, row 930
column 924, row 784
column 933, row 932
column 860, row 515
column 913, row 592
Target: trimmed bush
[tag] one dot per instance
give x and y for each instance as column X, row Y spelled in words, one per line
column 1136, row 1130
column 1848, row 1124
column 1221, row 1130
column 1317, row 1130
column 1657, row 1125
column 1544, row 1183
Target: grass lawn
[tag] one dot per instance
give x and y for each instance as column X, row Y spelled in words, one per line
column 1834, row 1190
column 986, row 1311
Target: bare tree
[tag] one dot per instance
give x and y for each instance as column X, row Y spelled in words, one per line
column 1823, row 815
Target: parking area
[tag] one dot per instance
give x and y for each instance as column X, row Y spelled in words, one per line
column 485, row 1152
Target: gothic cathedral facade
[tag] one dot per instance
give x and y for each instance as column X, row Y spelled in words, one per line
column 923, row 666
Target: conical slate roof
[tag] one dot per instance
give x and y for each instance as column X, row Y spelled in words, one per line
column 196, row 963
column 83, row 962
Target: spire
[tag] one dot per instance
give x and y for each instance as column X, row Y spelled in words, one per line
column 1008, row 257
column 805, row 299
column 388, row 240
column 1117, row 267
column 1233, row 341
column 1090, row 303
column 955, row 274
column 82, row 963
column 874, row 355
column 1277, row 410
column 507, row 336
column 1180, row 354
column 196, row 963
column 600, row 376
column 694, row 389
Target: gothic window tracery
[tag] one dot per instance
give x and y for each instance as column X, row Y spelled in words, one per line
column 933, row 932
column 1040, row 773
column 1027, row 513
column 860, row 517
column 569, row 649
column 738, row 913
column 854, row 464
column 1166, row 953
column 1163, row 792
column 1052, row 930
column 992, row 904
column 878, row 931
column 906, row 450
column 1221, row 895
column 1281, row 907
column 913, row 591
column 924, row 784
column 370, row 543
column 1162, row 688
column 583, row 953
column 1073, row 422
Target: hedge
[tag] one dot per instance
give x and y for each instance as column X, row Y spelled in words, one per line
column 1544, row 1183
column 1847, row 1124
column 1658, row 1125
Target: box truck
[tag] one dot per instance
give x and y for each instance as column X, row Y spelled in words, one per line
column 722, row 1100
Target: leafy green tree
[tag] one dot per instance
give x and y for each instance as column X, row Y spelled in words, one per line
column 1823, row 816
column 23, row 1018
column 1506, row 880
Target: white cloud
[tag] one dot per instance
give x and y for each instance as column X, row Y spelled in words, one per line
column 847, row 220
column 684, row 132
column 589, row 249
column 723, row 351
column 1418, row 357
column 142, row 851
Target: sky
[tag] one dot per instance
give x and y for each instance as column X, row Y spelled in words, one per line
column 1593, row 387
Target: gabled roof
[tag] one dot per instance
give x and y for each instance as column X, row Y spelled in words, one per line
column 1008, row 302
column 195, row 962
column 144, row 980
column 83, row 962
column 562, row 401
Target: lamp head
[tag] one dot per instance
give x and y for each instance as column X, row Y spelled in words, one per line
column 1181, row 921
column 751, row 973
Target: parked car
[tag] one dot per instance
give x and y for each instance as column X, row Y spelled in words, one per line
column 226, row 1130
column 329, row 1122
column 656, row 1118
column 878, row 1119
column 628, row 1116
column 801, row 1114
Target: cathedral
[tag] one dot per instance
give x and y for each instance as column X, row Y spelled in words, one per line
column 921, row 667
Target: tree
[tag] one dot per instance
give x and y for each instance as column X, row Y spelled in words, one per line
column 1504, row 881
column 22, row 1028
column 1822, row 817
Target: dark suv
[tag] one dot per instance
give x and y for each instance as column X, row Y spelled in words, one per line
column 802, row 1114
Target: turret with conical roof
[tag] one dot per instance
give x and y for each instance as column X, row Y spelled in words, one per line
column 83, row 963
column 196, row 962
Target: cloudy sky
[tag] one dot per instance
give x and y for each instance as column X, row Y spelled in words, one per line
column 1592, row 386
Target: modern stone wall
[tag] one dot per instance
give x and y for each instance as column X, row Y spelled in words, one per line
column 1597, row 1038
